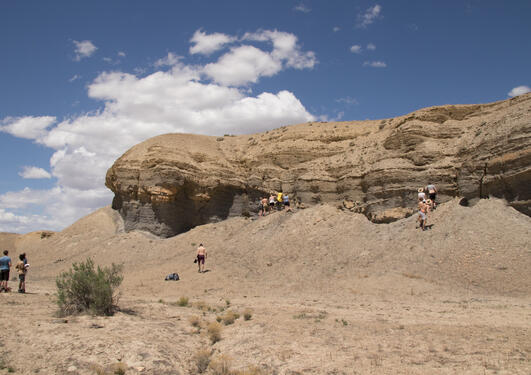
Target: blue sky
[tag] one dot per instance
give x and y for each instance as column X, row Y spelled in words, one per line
column 82, row 81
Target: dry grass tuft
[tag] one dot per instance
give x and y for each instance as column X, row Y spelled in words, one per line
column 202, row 305
column 214, row 332
column 202, row 360
column 195, row 321
column 253, row 370
column 221, row 365
column 229, row 317
column 247, row 314
column 183, row 301
column 118, row 368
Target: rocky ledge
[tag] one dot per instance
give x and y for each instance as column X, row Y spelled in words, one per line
column 171, row 183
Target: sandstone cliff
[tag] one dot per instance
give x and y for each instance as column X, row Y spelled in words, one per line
column 171, row 183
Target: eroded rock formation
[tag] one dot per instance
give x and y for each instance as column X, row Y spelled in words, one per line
column 171, row 183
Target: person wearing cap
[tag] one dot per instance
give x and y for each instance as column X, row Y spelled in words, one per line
column 5, row 265
column 201, row 257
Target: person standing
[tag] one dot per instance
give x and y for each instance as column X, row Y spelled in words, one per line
column 423, row 214
column 22, row 268
column 272, row 200
column 5, row 265
column 432, row 193
column 279, row 201
column 285, row 200
column 421, row 194
column 201, row 257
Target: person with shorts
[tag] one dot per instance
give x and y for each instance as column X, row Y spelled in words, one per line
column 272, row 200
column 423, row 213
column 285, row 201
column 5, row 265
column 432, row 193
column 22, row 268
column 263, row 206
column 201, row 257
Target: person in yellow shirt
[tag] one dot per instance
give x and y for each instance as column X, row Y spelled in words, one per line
column 279, row 201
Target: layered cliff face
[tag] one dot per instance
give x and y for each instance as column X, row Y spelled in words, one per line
column 171, row 183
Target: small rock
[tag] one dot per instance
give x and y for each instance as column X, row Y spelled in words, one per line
column 71, row 369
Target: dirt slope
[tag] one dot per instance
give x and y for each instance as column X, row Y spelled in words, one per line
column 485, row 248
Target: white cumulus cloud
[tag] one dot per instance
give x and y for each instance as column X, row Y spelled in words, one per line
column 206, row 44
column 355, row 48
column 27, row 127
column 83, row 49
column 371, row 47
column 34, row 173
column 520, row 90
column 375, row 64
column 169, row 60
column 302, row 8
column 369, row 16
column 242, row 65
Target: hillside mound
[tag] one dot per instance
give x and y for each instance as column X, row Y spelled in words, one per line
column 321, row 250
column 172, row 183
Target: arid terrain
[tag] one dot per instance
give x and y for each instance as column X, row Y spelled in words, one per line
column 329, row 292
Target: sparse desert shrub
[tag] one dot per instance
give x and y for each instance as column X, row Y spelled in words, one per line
column 118, row 368
column 86, row 289
column 183, row 301
column 195, row 321
column 214, row 332
column 202, row 360
column 229, row 317
column 247, row 314
column 221, row 365
column 253, row 370
column 219, row 318
column 201, row 305
column 45, row 235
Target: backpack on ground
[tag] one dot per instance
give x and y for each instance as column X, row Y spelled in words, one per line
column 172, row 276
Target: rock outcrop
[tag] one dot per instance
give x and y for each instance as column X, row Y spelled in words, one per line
column 171, row 183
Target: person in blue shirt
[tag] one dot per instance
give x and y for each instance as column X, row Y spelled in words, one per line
column 285, row 201
column 5, row 265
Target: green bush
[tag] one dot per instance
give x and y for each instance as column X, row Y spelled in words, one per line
column 86, row 289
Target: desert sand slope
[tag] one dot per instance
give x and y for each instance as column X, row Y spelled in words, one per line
column 330, row 291
column 485, row 248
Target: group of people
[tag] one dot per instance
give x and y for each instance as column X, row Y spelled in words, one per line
column 426, row 203
column 21, row 267
column 279, row 200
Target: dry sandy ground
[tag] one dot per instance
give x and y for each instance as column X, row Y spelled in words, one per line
column 330, row 293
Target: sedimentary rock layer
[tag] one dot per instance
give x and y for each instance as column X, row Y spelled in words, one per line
column 171, row 183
